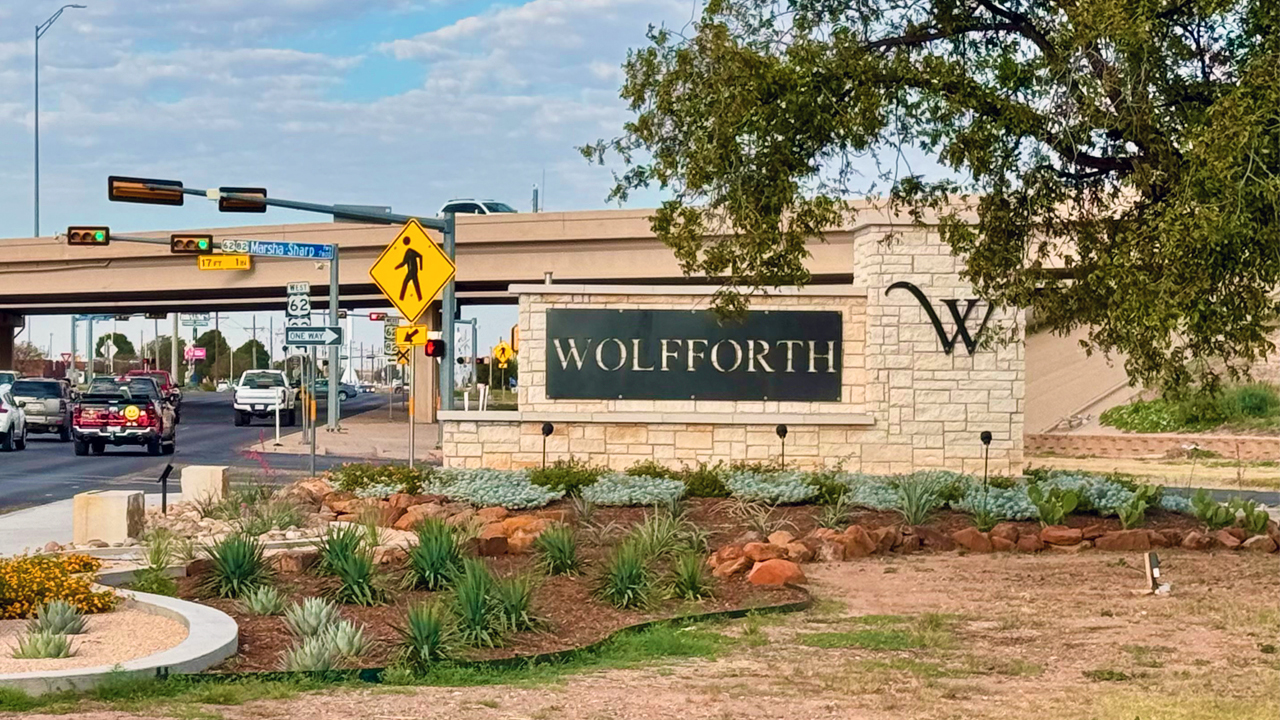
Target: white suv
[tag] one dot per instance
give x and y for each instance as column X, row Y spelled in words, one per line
column 13, row 421
column 472, row 206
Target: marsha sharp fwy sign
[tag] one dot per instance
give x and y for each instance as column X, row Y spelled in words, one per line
column 682, row 355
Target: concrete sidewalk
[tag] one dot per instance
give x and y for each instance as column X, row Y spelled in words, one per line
column 362, row 436
column 26, row 531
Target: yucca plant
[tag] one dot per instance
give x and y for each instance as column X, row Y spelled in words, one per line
column 349, row 639
column 513, row 598
column 56, row 617
column 311, row 617
column 658, row 536
column 237, row 565
column 311, row 654
column 689, row 579
column 436, row 559
column 557, row 548
column 263, row 600
column 627, row 580
column 918, row 498
column 427, row 636
column 42, row 645
column 835, row 515
column 359, row 582
column 479, row 620
column 339, row 541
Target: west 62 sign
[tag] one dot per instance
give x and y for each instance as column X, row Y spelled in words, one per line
column 682, row 355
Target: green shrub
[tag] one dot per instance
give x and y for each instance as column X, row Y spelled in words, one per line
column 1257, row 400
column 705, row 481
column 263, row 600
column 567, row 476
column 56, row 617
column 339, row 541
column 557, row 549
column 358, row 580
column 986, row 514
column 1252, row 518
column 513, row 599
column 782, row 487
column 1196, row 410
column 311, row 617
column 918, row 496
column 689, row 579
column 829, row 490
column 426, row 637
column 353, row 477
column 653, row 468
column 1054, row 505
column 835, row 516
column 627, row 580
column 479, row 620
column 236, row 566
column 1212, row 513
column 618, row 489
column 436, row 559
column 153, row 578
column 42, row 645
column 660, row 535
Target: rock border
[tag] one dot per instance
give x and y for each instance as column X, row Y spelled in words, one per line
column 212, row 636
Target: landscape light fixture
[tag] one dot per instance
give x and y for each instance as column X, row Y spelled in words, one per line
column 782, row 435
column 547, row 429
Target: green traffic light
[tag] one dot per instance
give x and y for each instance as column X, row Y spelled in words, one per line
column 204, row 244
column 99, row 236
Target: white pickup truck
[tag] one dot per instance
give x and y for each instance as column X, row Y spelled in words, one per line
column 257, row 394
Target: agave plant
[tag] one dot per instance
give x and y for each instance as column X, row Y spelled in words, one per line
column 311, row 654
column 57, row 617
column 42, row 645
column 263, row 600
column 348, row 639
column 311, row 617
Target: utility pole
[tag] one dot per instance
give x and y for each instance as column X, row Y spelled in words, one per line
column 173, row 350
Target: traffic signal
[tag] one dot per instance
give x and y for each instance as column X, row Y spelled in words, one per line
column 226, row 204
column 88, row 236
column 377, row 316
column 434, row 348
column 144, row 190
column 342, row 314
column 191, row 244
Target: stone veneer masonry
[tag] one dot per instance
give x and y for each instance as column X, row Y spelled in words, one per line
column 905, row 404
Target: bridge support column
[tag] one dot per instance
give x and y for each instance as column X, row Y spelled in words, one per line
column 8, row 325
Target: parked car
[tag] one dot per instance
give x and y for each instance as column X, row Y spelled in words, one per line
column 222, row 386
column 47, row 405
column 8, row 377
column 257, row 395
column 345, row 391
column 13, row 421
column 128, row 412
column 368, row 388
column 472, row 206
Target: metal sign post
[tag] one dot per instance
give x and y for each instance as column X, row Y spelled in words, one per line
column 413, row 421
column 311, row 409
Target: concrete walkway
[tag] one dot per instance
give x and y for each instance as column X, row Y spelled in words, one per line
column 26, row 531
column 363, row 436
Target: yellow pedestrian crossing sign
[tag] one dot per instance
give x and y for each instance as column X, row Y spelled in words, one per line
column 412, row 270
column 503, row 354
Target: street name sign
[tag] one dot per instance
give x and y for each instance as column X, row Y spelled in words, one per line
column 266, row 248
column 313, row 335
column 225, row 262
column 412, row 270
column 195, row 319
column 411, row 335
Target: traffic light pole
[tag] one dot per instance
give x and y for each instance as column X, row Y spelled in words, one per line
column 447, row 310
column 333, row 412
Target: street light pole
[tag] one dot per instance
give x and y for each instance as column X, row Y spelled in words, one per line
column 41, row 29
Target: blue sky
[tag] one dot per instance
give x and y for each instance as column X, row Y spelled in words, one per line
column 388, row 102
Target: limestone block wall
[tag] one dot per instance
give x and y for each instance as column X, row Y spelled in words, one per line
column 904, row 405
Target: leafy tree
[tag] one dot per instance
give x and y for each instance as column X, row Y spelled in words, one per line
column 124, row 348
column 166, row 346
column 251, row 356
column 217, row 358
column 28, row 359
column 501, row 375
column 1122, row 159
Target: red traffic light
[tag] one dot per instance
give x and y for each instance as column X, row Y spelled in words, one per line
column 88, row 236
column 377, row 316
column 191, row 244
column 434, row 348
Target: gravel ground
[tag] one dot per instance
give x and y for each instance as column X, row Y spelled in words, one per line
column 108, row 639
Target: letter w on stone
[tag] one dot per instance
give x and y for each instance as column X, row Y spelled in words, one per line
column 961, row 320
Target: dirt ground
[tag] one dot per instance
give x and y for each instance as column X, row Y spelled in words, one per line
column 921, row 637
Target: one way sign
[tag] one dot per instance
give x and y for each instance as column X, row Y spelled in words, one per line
column 313, row 336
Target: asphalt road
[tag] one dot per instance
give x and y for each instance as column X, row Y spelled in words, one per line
column 49, row 470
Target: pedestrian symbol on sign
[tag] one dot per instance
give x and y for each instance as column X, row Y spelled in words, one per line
column 411, row 263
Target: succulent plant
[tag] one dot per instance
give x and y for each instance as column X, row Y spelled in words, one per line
column 630, row 490
column 771, row 487
column 311, row 617
column 42, row 645
column 510, row 489
column 311, row 654
column 57, row 617
column 348, row 639
column 263, row 600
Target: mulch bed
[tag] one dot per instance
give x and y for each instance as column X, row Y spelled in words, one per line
column 572, row 616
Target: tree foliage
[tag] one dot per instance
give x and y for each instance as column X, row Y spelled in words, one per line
column 28, row 359
column 1120, row 156
column 124, row 346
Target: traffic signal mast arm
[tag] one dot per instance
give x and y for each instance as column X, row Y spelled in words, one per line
column 347, row 213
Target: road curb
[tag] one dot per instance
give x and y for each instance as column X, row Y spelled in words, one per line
column 212, row 636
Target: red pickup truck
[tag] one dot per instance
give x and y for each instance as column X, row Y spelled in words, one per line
column 168, row 388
